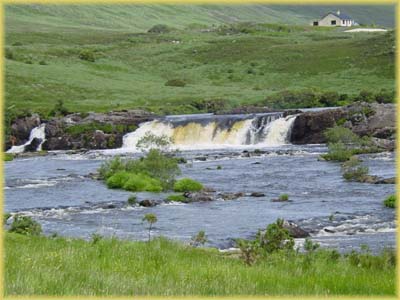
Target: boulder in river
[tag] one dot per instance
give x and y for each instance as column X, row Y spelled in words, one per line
column 147, row 203
column 257, row 194
column 294, row 230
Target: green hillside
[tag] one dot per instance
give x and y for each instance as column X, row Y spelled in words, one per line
column 241, row 63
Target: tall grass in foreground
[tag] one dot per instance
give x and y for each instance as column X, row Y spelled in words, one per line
column 58, row 266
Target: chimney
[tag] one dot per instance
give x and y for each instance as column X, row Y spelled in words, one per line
column 338, row 12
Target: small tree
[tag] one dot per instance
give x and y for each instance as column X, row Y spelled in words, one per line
column 199, row 239
column 152, row 141
column 150, row 219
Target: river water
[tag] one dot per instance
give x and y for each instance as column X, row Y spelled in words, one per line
column 55, row 190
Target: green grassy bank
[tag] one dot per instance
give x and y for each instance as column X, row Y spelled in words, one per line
column 58, row 266
column 48, row 60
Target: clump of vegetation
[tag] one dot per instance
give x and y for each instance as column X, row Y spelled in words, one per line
column 135, row 182
column 275, row 238
column 96, row 238
column 89, row 128
column 87, row 55
column 177, row 198
column 8, row 157
column 187, row 185
column 390, row 201
column 175, row 82
column 150, row 219
column 9, row 54
column 42, row 62
column 25, row 225
column 159, row 28
column 343, row 144
column 152, row 141
column 6, row 216
column 199, row 239
column 132, row 200
column 353, row 171
column 284, row 197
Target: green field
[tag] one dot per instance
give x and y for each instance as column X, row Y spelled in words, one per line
column 58, row 266
column 241, row 63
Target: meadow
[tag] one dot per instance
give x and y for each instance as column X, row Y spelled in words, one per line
column 38, row 265
column 94, row 66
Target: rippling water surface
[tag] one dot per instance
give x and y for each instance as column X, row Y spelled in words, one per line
column 56, row 191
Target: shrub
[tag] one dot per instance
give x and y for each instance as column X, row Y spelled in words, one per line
column 275, row 238
column 385, row 96
column 159, row 28
column 284, row 197
column 341, row 134
column 87, row 55
column 118, row 180
column 187, row 185
column 390, row 201
column 132, row 200
column 96, row 238
column 43, row 63
column 141, row 182
column 155, row 165
column 353, row 171
column 177, row 198
column 337, row 152
column 25, row 225
column 152, row 141
column 199, row 239
column 110, row 167
column 17, row 44
column 175, row 82
column 8, row 157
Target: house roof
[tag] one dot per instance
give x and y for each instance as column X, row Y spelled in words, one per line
column 342, row 16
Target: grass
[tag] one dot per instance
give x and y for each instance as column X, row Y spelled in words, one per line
column 8, row 157
column 44, row 266
column 132, row 66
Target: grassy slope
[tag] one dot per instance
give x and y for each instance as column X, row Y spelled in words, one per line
column 42, row 266
column 131, row 69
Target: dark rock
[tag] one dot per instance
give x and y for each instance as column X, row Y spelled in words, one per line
column 257, row 194
column 294, row 230
column 391, row 180
column 199, row 196
column 201, row 158
column 147, row 203
column 231, row 196
column 21, row 130
column 32, row 147
column 329, row 230
column 108, row 206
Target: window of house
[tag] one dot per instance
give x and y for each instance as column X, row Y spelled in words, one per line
column 333, row 22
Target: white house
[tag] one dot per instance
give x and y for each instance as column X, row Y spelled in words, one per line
column 335, row 19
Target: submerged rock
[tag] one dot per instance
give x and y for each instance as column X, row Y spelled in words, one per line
column 231, row 196
column 147, row 203
column 257, row 194
column 294, row 230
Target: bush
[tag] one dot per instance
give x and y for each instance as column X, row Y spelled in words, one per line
column 390, row 201
column 187, row 185
column 275, row 238
column 132, row 200
column 175, row 82
column 341, row 134
column 118, row 180
column 199, row 239
column 177, row 198
column 6, row 216
column 159, row 28
column 87, row 55
column 385, row 96
column 337, row 152
column 142, row 183
column 43, row 63
column 8, row 157
column 353, row 171
column 155, row 165
column 25, row 225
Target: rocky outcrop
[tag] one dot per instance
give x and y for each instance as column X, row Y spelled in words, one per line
column 21, row 129
column 97, row 130
column 372, row 119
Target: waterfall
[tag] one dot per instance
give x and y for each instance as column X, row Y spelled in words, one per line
column 216, row 131
column 38, row 133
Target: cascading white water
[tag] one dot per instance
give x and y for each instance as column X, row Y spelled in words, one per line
column 213, row 132
column 37, row 132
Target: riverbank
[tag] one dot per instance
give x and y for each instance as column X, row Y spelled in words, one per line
column 162, row 267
